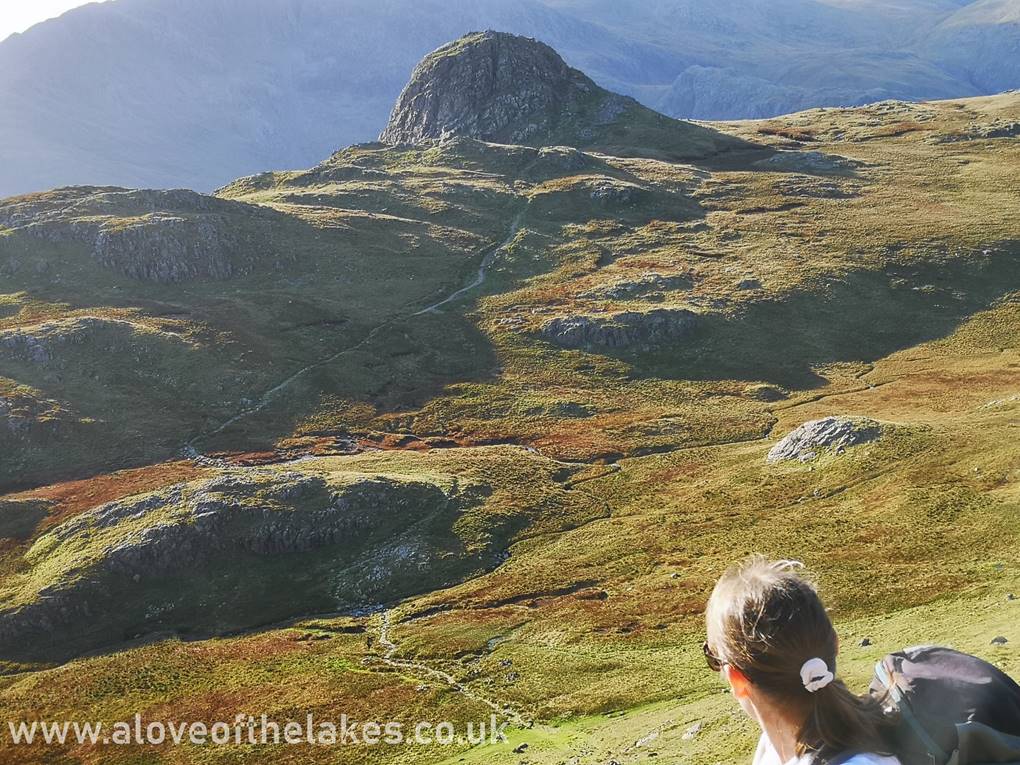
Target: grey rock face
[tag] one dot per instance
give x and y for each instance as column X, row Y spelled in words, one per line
column 804, row 442
column 161, row 248
column 151, row 235
column 628, row 330
column 47, row 342
column 496, row 87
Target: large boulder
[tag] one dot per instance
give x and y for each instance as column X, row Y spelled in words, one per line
column 829, row 433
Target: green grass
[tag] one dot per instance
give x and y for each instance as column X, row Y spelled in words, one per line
column 877, row 299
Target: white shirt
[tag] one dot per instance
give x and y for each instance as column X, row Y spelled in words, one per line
column 767, row 755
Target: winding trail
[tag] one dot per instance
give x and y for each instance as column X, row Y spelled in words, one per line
column 489, row 253
column 421, row 669
column 483, row 268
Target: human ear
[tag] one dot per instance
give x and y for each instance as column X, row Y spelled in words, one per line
column 738, row 681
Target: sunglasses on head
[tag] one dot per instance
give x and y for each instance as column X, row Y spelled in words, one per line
column 714, row 662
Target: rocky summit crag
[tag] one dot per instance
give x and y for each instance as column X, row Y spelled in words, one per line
column 504, row 88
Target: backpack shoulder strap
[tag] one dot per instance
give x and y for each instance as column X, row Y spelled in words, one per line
column 937, row 754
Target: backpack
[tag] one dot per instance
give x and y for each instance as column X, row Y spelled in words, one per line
column 954, row 709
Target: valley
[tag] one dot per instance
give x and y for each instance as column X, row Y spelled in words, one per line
column 444, row 426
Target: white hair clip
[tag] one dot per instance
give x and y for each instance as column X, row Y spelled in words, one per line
column 815, row 675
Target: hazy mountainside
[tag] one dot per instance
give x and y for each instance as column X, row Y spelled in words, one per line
column 186, row 93
column 444, row 427
column 979, row 44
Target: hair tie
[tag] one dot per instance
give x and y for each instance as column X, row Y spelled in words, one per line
column 815, row 675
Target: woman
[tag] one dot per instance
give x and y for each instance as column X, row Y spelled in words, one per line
column 769, row 635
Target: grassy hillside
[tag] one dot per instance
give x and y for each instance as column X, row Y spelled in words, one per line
column 585, row 360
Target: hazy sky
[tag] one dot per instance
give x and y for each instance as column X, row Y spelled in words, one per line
column 19, row 15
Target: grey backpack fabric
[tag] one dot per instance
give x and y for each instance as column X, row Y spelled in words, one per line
column 955, row 709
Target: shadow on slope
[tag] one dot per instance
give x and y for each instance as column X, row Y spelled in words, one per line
column 862, row 317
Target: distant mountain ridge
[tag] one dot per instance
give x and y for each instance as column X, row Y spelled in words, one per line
column 187, row 93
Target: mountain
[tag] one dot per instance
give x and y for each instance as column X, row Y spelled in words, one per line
column 441, row 428
column 980, row 44
column 185, row 93
column 498, row 87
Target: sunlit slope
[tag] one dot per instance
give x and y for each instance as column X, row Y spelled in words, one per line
column 913, row 535
column 652, row 330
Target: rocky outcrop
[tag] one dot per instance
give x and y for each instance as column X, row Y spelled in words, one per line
column 27, row 417
column 627, row 330
column 150, row 235
column 507, row 89
column 496, row 87
column 42, row 343
column 155, row 561
column 829, row 433
column 164, row 248
column 809, row 162
column 765, row 392
column 996, row 129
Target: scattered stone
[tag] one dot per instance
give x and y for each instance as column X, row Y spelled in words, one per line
column 642, row 287
column 1002, row 402
column 647, row 739
column 1010, row 596
column 749, row 284
column 520, row 749
column 693, row 731
column 999, row 640
column 834, row 433
column 865, row 642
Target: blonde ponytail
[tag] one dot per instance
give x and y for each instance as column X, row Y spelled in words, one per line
column 765, row 619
